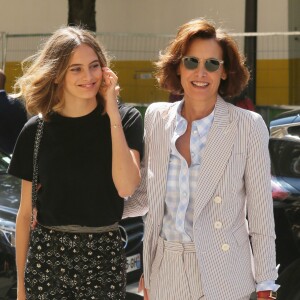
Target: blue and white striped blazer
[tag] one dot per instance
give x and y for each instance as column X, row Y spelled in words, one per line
column 234, row 182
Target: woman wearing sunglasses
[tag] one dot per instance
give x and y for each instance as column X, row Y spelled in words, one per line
column 205, row 178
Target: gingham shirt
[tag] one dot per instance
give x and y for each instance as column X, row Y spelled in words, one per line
column 182, row 180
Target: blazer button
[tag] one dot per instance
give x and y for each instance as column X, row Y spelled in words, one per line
column 225, row 247
column 218, row 199
column 218, row 224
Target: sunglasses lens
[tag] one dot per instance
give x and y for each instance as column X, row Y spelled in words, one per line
column 212, row 65
column 190, row 63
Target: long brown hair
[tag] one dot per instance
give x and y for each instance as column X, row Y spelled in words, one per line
column 43, row 73
column 234, row 62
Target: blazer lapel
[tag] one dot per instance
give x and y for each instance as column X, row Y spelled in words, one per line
column 216, row 154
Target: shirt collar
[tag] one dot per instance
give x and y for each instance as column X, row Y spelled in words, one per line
column 182, row 122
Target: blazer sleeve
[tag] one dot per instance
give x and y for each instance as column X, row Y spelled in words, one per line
column 260, row 203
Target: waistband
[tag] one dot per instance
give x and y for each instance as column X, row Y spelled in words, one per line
column 177, row 246
column 82, row 229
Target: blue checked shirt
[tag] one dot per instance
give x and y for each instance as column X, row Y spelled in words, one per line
column 182, row 180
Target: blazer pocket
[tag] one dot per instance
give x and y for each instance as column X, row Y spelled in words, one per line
column 241, row 235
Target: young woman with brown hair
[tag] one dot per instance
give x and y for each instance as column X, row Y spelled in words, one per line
column 87, row 158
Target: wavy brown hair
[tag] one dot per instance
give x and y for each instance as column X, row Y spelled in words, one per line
column 43, row 73
column 234, row 62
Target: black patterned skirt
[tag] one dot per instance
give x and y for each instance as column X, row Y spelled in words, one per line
column 63, row 265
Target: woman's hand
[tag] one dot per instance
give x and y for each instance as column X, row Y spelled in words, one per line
column 146, row 294
column 109, row 90
column 141, row 288
column 125, row 162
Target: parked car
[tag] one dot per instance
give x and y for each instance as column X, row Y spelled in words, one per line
column 132, row 231
column 284, row 150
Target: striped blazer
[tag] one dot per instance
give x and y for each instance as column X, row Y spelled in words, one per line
column 233, row 212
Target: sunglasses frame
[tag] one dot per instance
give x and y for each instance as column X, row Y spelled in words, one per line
column 199, row 59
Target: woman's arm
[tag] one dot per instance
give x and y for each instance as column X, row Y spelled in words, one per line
column 137, row 204
column 22, row 235
column 125, row 161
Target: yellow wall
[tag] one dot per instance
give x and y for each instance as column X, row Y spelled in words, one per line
column 137, row 82
column 272, row 82
column 12, row 71
column 294, row 67
column 277, row 81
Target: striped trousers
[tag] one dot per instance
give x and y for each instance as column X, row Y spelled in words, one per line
column 175, row 273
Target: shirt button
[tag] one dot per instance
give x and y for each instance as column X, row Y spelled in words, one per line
column 195, row 132
column 218, row 199
column 193, row 154
column 225, row 247
column 218, row 224
column 184, row 194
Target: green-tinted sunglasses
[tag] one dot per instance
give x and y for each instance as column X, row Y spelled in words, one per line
column 211, row 64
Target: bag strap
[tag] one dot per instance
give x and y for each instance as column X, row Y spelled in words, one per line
column 37, row 141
